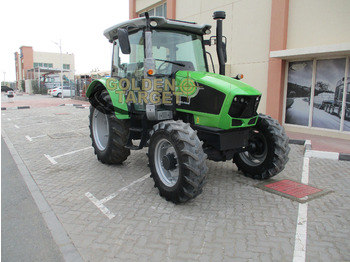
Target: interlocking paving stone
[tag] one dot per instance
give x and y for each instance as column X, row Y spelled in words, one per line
column 231, row 220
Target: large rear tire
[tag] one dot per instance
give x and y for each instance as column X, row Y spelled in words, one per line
column 269, row 150
column 109, row 136
column 177, row 161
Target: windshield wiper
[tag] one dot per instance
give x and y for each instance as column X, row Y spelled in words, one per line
column 171, row 62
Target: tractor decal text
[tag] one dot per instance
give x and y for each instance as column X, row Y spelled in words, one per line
column 152, row 91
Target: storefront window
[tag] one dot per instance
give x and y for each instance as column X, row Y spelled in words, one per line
column 324, row 90
column 328, row 93
column 298, row 93
column 346, row 126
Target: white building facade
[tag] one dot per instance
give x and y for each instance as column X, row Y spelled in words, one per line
column 295, row 52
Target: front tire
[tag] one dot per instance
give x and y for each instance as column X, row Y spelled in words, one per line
column 109, row 136
column 269, row 150
column 177, row 161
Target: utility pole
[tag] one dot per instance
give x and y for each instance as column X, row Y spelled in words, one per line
column 4, row 77
column 61, row 76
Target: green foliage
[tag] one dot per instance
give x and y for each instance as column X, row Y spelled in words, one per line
column 38, row 89
column 23, row 85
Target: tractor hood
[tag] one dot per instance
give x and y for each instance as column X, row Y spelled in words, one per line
column 217, row 101
column 224, row 84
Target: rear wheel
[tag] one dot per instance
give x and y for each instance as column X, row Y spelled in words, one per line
column 109, row 136
column 177, row 161
column 269, row 149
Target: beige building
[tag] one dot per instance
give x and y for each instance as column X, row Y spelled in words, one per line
column 295, row 52
column 43, row 67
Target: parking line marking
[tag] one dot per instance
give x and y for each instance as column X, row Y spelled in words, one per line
column 31, row 138
column 52, row 158
column 99, row 205
column 301, row 230
column 301, row 234
column 322, row 154
column 47, row 122
column 113, row 195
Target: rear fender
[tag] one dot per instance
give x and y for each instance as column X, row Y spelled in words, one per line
column 118, row 99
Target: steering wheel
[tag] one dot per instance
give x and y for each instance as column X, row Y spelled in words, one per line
column 164, row 70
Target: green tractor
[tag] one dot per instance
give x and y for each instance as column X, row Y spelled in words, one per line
column 161, row 95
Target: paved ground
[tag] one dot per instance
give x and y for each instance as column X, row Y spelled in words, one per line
column 24, row 234
column 113, row 213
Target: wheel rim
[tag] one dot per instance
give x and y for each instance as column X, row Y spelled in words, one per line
column 169, row 176
column 258, row 155
column 100, row 128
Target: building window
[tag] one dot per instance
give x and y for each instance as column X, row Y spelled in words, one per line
column 315, row 94
column 66, row 66
column 46, row 65
column 159, row 10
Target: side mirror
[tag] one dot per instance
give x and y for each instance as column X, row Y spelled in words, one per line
column 123, row 38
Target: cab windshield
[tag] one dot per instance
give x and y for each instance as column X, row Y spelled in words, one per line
column 175, row 51
column 172, row 51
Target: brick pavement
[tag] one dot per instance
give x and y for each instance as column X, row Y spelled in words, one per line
column 231, row 220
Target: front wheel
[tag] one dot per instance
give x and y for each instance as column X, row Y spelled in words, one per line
column 177, row 161
column 268, row 150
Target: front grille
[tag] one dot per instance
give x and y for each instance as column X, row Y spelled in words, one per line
column 236, row 122
column 244, row 106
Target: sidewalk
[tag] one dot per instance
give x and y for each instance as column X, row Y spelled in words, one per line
column 323, row 143
column 36, row 101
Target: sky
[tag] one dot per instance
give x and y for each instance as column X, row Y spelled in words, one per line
column 78, row 24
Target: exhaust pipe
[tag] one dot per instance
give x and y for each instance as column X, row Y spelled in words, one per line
column 219, row 16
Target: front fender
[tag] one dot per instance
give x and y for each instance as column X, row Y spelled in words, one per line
column 117, row 97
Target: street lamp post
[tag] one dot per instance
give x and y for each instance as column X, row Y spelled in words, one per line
column 61, row 76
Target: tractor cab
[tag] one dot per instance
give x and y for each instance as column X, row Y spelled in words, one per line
column 172, row 50
column 170, row 46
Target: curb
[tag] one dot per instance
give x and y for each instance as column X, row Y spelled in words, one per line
column 17, row 107
column 28, row 107
column 77, row 105
column 308, row 152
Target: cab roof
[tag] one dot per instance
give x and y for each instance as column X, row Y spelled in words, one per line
column 162, row 23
